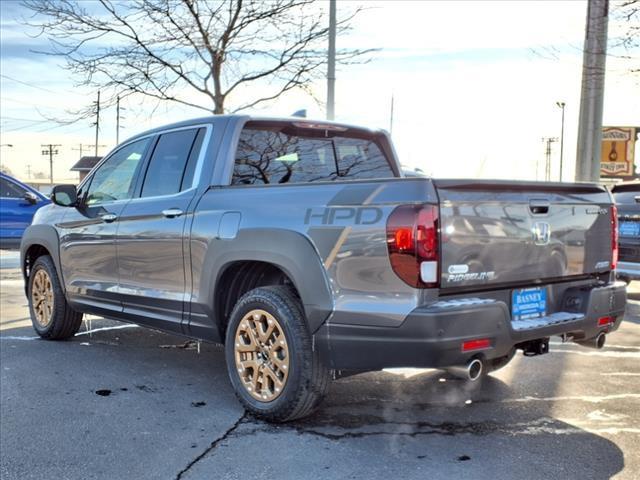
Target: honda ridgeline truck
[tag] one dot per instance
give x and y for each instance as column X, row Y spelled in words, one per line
column 300, row 246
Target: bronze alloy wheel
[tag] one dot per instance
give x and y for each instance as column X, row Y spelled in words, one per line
column 262, row 355
column 42, row 297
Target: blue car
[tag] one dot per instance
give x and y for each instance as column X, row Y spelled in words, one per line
column 18, row 203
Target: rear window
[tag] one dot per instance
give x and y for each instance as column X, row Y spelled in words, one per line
column 286, row 154
column 626, row 194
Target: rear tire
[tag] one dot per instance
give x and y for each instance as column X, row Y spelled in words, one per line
column 272, row 366
column 51, row 315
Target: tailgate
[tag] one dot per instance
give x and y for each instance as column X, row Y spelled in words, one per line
column 497, row 232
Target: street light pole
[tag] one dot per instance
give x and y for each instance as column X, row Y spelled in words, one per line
column 331, row 62
column 561, row 105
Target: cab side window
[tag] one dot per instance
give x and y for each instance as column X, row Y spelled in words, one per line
column 115, row 178
column 172, row 164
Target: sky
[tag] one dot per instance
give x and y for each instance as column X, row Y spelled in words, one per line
column 474, row 87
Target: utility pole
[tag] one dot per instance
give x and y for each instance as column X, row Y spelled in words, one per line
column 118, row 118
column 592, row 94
column 82, row 147
column 331, row 62
column 547, row 154
column 79, row 149
column 50, row 151
column 97, row 122
column 561, row 105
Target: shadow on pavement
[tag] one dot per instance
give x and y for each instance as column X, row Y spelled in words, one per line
column 373, row 425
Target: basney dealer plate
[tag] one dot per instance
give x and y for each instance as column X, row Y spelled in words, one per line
column 528, row 303
column 629, row 229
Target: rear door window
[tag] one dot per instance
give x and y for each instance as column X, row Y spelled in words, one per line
column 284, row 154
column 172, row 163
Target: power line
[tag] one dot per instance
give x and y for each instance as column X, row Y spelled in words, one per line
column 27, row 84
column 28, row 104
column 27, row 127
column 22, row 119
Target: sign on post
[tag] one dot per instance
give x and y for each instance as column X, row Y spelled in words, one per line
column 617, row 154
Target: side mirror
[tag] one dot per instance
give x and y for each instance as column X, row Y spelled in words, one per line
column 64, row 195
column 30, row 197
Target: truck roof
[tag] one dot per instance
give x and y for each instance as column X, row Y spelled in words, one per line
column 213, row 119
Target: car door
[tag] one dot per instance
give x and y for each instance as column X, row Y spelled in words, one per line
column 17, row 206
column 88, row 232
column 151, row 233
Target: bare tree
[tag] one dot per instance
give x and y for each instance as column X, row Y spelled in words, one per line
column 205, row 54
column 624, row 46
column 629, row 12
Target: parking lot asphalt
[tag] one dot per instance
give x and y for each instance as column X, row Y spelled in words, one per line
column 119, row 401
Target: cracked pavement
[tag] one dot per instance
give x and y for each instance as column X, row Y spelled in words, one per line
column 127, row 402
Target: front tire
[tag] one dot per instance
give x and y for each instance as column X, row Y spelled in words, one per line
column 272, row 366
column 51, row 315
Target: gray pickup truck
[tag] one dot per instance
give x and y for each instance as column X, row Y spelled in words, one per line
column 299, row 245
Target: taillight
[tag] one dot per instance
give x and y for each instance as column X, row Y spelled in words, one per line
column 412, row 241
column 479, row 344
column 604, row 321
column 614, row 237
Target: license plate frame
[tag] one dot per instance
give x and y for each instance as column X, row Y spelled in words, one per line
column 528, row 303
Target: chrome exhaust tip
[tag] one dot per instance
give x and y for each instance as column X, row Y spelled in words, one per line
column 596, row 342
column 472, row 371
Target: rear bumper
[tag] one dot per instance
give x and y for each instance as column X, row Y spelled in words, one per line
column 432, row 336
column 628, row 270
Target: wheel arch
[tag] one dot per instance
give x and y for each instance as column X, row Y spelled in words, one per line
column 40, row 240
column 280, row 252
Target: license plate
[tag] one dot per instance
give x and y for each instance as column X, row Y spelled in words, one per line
column 629, row 229
column 528, row 303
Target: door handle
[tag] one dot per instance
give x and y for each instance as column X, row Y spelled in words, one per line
column 539, row 207
column 109, row 217
column 172, row 212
